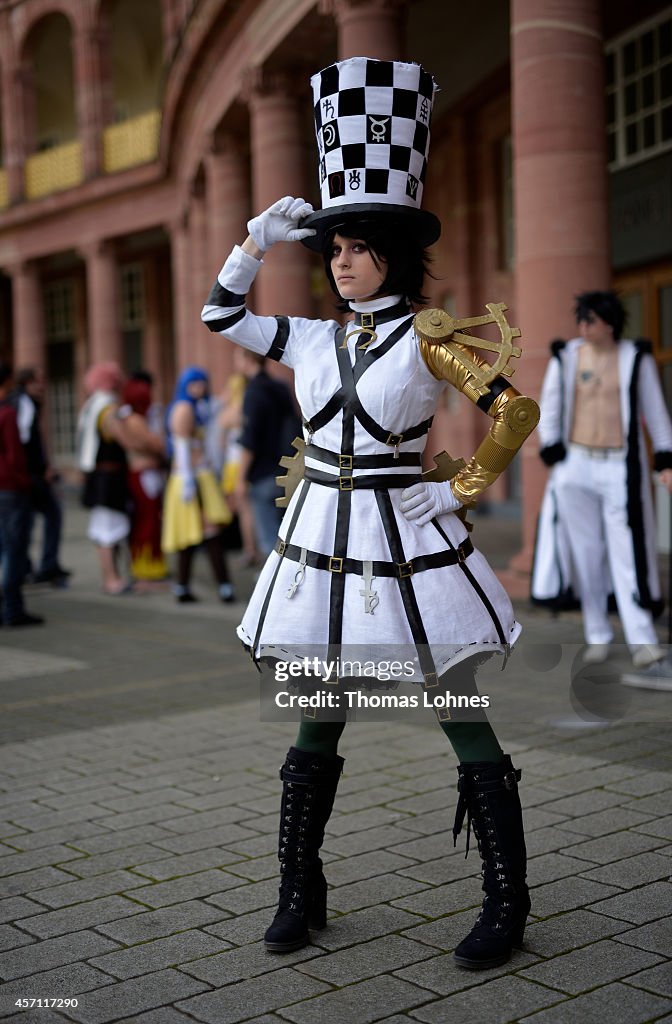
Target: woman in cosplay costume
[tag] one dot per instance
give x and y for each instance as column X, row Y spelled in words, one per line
column 369, row 552
column 194, row 509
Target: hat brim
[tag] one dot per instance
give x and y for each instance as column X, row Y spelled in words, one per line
column 424, row 225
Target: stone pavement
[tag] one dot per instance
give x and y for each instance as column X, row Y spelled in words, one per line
column 139, row 799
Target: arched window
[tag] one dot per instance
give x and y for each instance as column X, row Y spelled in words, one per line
column 49, row 110
column 135, row 66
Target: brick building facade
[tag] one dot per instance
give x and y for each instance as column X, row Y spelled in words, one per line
column 137, row 138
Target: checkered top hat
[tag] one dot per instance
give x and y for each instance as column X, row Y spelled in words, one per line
column 372, row 125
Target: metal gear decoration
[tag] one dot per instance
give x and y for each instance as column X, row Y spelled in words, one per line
column 295, row 465
column 435, row 326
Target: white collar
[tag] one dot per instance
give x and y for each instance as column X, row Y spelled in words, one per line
column 373, row 305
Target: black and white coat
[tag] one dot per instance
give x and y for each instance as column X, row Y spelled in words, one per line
column 642, row 405
column 373, row 407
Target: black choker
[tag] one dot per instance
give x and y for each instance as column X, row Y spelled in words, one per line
column 381, row 316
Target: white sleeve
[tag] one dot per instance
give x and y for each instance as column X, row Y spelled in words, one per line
column 225, row 313
column 550, row 421
column 652, row 406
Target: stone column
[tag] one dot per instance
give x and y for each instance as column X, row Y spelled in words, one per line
column 199, row 271
column 28, row 315
column 373, row 28
column 13, row 129
column 228, row 206
column 560, row 187
column 151, row 340
column 179, row 257
column 88, row 94
column 102, row 285
column 279, row 145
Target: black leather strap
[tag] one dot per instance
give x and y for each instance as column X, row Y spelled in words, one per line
column 277, row 349
column 368, row 482
column 346, row 462
column 392, row 570
column 382, row 316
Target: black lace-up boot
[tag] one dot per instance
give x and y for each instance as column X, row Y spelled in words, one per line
column 309, row 788
column 489, row 798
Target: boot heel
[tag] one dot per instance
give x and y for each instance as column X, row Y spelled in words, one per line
column 317, row 918
column 517, row 935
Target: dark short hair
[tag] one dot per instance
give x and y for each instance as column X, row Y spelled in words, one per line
column 144, row 376
column 606, row 305
column 406, row 258
column 26, row 375
column 5, row 372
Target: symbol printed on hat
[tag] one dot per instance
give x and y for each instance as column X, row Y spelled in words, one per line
column 330, row 136
column 377, row 128
column 336, row 184
column 323, row 170
column 327, row 108
column 354, row 180
column 412, row 186
column 424, row 110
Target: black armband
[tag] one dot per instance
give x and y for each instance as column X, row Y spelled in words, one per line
column 661, row 461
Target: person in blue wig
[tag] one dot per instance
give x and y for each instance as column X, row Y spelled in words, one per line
column 194, row 509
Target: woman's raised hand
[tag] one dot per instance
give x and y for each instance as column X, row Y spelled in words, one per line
column 421, row 502
column 280, row 223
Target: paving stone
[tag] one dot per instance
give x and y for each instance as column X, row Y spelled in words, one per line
column 569, row 931
column 127, row 997
column 178, row 890
column 257, row 869
column 365, row 1001
column 361, row 925
column 62, row 983
column 366, row 960
column 658, row 804
column 608, row 849
column 548, row 840
column 661, row 827
column 568, row 893
column 597, row 964
column 95, row 794
column 550, row 866
column 588, row 802
column 224, row 836
column 442, row 975
column 640, row 905
column 605, row 822
column 643, row 783
column 81, row 890
column 609, row 776
column 618, row 1004
column 372, row 891
column 50, row 953
column 444, row 899
column 82, row 915
column 165, row 952
column 16, row 907
column 247, row 896
column 133, row 801
column 32, row 881
column 390, row 795
column 425, row 848
column 153, row 924
column 380, row 838
column 243, row 929
column 248, row 998
column 166, row 1015
column 632, row 871
column 246, row 962
column 654, row 937
column 449, row 868
column 104, row 842
column 46, row 856
column 102, row 863
column 366, row 865
column 497, row 1002
column 11, row 937
column 655, row 979
column 37, row 819
column 252, row 844
column 73, row 834
column 446, row 932
column 181, row 823
column 187, row 864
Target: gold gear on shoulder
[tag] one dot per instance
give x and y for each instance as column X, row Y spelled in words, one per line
column 437, row 327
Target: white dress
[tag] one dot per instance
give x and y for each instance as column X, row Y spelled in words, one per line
column 427, row 594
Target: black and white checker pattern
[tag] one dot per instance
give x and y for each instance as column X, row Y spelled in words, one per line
column 372, row 123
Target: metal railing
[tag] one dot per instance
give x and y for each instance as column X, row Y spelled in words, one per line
column 131, row 142
column 53, row 170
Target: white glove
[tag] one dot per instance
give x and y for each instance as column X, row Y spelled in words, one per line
column 280, row 223
column 421, row 502
column 188, row 488
column 184, row 468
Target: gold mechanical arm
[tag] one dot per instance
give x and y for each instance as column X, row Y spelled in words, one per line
column 514, row 415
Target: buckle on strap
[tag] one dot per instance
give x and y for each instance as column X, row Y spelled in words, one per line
column 281, row 547
column 394, row 439
column 511, row 779
column 345, row 461
column 345, row 483
column 335, row 564
column 404, row 569
column 431, row 680
column 461, row 553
